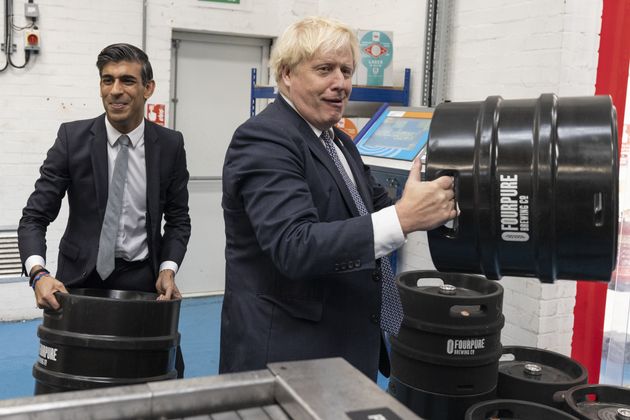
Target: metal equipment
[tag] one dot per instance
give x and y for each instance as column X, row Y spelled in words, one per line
column 304, row 390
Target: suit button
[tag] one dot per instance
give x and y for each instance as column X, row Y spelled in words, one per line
column 336, row 267
column 357, row 263
column 84, row 274
column 376, row 276
column 344, row 266
column 374, row 318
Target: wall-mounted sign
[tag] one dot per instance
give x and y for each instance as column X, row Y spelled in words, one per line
column 156, row 113
column 224, row 1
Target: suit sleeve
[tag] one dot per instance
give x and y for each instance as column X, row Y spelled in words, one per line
column 176, row 216
column 44, row 203
column 268, row 174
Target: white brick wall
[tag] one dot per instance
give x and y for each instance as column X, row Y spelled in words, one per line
column 498, row 47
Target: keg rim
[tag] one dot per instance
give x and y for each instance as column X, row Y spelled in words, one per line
column 121, row 296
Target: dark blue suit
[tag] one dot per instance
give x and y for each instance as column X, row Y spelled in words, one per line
column 301, row 278
column 77, row 164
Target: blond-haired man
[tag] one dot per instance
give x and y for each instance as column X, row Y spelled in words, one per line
column 307, row 226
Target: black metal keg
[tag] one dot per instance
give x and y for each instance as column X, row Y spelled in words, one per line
column 531, row 374
column 596, row 402
column 536, row 182
column 514, row 410
column 446, row 355
column 102, row 338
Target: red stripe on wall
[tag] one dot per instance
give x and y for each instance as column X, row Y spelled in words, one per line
column 612, row 79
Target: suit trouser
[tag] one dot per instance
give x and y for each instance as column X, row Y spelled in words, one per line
column 132, row 275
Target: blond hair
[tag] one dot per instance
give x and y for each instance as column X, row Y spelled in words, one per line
column 303, row 39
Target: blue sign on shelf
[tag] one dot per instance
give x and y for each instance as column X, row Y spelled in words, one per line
column 396, row 135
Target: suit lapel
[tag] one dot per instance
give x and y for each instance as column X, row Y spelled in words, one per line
column 320, row 153
column 357, row 173
column 152, row 159
column 98, row 154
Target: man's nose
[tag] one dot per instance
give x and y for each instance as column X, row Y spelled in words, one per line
column 338, row 79
column 117, row 87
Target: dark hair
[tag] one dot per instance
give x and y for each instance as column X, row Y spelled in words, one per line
column 116, row 53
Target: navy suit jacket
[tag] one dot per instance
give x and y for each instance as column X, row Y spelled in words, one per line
column 77, row 165
column 301, row 278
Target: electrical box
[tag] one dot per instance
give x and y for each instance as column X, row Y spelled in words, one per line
column 31, row 11
column 31, row 40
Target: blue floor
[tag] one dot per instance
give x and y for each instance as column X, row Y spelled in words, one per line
column 198, row 324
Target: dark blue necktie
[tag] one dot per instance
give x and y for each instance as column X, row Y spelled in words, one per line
column 391, row 308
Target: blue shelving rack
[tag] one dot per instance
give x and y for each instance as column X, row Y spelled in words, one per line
column 392, row 95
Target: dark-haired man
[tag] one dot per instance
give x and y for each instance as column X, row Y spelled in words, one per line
column 114, row 237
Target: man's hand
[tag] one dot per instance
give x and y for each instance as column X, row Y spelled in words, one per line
column 45, row 289
column 425, row 205
column 165, row 286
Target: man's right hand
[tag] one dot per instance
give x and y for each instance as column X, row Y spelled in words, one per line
column 45, row 289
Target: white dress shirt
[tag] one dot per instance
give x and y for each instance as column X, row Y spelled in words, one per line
column 131, row 241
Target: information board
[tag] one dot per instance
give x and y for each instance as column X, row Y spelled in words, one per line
column 396, row 134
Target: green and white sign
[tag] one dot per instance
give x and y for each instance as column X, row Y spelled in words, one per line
column 377, row 51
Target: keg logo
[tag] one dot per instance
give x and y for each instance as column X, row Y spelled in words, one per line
column 46, row 353
column 514, row 210
column 467, row 347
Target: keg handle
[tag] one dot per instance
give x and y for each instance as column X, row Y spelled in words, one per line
column 598, row 209
column 559, row 397
column 450, row 228
column 56, row 314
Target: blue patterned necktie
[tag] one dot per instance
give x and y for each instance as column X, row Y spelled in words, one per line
column 391, row 308
column 107, row 242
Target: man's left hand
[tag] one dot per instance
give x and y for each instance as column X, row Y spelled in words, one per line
column 165, row 286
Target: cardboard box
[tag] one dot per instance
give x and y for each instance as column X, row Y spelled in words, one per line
column 376, row 58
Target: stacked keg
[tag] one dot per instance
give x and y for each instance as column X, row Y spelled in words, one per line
column 535, row 375
column 446, row 356
column 514, row 409
column 596, row 402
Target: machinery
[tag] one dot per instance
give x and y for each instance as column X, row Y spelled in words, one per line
column 309, row 390
column 391, row 140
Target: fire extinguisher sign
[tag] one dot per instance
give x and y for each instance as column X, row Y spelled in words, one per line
column 156, row 113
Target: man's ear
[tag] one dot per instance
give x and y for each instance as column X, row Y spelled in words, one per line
column 286, row 76
column 149, row 89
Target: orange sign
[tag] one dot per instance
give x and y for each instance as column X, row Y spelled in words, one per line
column 156, row 113
column 347, row 126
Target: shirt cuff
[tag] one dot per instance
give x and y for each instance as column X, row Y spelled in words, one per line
column 169, row 265
column 32, row 261
column 388, row 235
